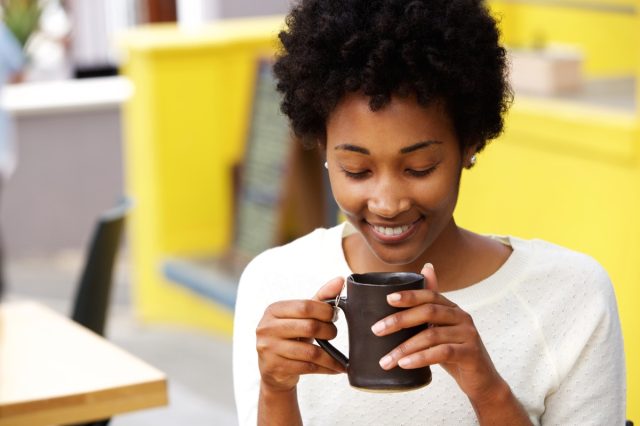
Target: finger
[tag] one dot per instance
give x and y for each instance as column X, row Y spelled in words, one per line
column 288, row 367
column 410, row 298
column 330, row 290
column 289, row 328
column 441, row 354
column 424, row 340
column 310, row 309
column 309, row 353
column 418, row 315
column 430, row 279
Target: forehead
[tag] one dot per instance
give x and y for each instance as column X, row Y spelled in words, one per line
column 403, row 121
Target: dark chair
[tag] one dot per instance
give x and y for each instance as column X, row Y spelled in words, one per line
column 94, row 289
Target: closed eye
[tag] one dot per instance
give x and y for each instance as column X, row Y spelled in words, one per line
column 356, row 175
column 420, row 173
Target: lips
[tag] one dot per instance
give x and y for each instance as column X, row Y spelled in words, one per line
column 394, row 234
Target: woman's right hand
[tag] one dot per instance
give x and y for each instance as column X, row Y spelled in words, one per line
column 285, row 334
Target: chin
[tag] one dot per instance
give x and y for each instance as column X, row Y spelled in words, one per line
column 396, row 258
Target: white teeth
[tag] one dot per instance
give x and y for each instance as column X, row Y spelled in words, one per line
column 385, row 230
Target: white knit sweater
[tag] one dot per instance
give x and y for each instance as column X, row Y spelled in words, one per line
column 548, row 318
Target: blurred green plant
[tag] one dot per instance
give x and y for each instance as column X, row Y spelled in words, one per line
column 22, row 17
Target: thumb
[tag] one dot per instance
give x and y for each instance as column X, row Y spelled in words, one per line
column 430, row 279
column 330, row 290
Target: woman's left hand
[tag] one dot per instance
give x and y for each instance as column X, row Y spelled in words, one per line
column 452, row 340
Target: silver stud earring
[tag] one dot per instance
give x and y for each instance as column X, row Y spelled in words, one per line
column 326, row 165
column 473, row 160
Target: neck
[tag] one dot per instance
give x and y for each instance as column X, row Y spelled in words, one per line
column 450, row 254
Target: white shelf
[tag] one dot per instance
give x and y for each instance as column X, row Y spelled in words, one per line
column 50, row 97
column 615, row 94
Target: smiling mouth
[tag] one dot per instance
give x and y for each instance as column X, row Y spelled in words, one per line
column 394, row 233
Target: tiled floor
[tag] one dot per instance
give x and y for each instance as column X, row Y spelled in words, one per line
column 200, row 382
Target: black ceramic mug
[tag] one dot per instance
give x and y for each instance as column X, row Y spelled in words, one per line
column 365, row 304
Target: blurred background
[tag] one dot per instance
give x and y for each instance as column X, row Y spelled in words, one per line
column 172, row 104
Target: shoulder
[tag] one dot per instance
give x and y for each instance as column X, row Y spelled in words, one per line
column 564, row 288
column 562, row 268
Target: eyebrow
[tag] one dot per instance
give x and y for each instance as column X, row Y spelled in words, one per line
column 405, row 150
column 419, row 145
column 353, row 148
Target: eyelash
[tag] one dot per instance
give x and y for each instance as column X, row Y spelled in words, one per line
column 421, row 173
column 413, row 173
column 356, row 176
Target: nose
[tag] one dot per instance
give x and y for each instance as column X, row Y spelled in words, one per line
column 388, row 200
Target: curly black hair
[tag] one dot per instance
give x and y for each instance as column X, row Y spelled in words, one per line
column 437, row 50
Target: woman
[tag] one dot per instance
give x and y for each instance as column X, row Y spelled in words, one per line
column 401, row 95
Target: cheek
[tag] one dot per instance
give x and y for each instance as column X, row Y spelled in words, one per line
column 437, row 195
column 442, row 193
column 351, row 199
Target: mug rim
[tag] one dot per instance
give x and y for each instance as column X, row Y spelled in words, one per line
column 410, row 278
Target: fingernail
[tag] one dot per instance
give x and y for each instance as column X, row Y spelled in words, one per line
column 377, row 328
column 393, row 297
column 386, row 362
column 428, row 265
column 404, row 362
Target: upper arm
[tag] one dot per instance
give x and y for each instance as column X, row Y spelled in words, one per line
column 250, row 305
column 590, row 360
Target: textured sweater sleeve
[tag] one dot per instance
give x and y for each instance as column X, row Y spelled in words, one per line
column 585, row 341
column 251, row 303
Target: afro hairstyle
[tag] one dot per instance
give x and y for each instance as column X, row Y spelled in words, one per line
column 436, row 50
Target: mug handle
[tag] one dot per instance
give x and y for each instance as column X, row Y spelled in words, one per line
column 328, row 347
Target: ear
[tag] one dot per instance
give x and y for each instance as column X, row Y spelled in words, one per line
column 469, row 156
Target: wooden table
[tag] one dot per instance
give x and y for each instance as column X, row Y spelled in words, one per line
column 53, row 371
